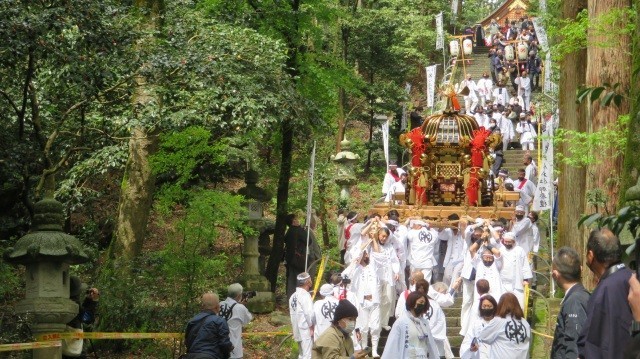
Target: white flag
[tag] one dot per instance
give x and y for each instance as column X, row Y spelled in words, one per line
column 431, row 84
column 439, row 32
column 454, row 7
column 385, row 140
column 404, row 123
column 541, row 34
column 543, row 198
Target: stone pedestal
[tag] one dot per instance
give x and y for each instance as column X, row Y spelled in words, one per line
column 252, row 279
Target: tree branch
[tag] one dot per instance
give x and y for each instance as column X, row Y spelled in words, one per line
column 13, row 104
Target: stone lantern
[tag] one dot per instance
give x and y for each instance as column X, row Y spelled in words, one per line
column 251, row 279
column 47, row 252
column 345, row 161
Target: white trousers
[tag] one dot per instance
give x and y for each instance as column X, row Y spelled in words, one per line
column 468, row 292
column 368, row 321
column 304, row 348
column 470, row 103
column 387, row 302
column 528, row 145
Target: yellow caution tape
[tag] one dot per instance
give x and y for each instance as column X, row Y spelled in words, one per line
column 27, row 346
column 100, row 335
column 541, row 334
column 527, row 291
column 316, row 284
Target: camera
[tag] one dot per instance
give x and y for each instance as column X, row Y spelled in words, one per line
column 346, row 280
column 248, row 295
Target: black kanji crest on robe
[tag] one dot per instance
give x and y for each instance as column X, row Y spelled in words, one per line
column 514, row 330
column 327, row 309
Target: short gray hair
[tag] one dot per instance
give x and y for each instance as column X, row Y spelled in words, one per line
column 567, row 262
column 234, row 290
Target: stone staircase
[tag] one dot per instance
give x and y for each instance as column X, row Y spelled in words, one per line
column 453, row 325
column 514, row 161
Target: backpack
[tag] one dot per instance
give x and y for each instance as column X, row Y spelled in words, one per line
column 226, row 311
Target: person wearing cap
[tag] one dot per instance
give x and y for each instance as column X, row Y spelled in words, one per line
column 526, row 188
column 410, row 336
column 336, row 342
column 392, row 176
column 238, row 316
column 516, row 269
column 422, row 242
column 521, row 228
column 365, row 288
column 323, row 310
column 302, row 317
column 527, row 132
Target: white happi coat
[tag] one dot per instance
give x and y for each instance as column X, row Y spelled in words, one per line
column 385, row 263
column 410, row 337
column 501, row 96
column 527, row 191
column 527, row 134
column 353, row 241
column 508, row 337
column 515, row 268
column 389, row 180
column 491, row 273
column 240, row 316
column 422, row 244
column 455, row 249
column 485, row 87
column 363, row 282
column 323, row 310
column 524, row 234
column 483, row 348
column 482, row 119
column 301, row 313
column 531, row 172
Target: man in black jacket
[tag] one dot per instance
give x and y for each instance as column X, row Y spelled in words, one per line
column 566, row 271
column 207, row 334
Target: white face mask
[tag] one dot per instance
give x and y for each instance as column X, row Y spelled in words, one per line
column 350, row 326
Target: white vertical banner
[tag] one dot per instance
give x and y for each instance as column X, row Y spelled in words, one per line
column 312, row 168
column 543, row 198
column 548, row 86
column 439, row 32
column 404, row 122
column 542, row 5
column 454, row 7
column 431, row 85
column 541, row 34
column 385, row 140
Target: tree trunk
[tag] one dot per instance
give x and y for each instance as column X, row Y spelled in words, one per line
column 631, row 158
column 138, row 184
column 608, row 63
column 287, row 131
column 572, row 180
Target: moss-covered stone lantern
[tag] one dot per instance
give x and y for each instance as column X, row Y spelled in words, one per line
column 345, row 161
column 47, row 252
column 252, row 279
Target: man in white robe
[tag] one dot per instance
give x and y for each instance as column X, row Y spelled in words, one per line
column 392, row 176
column 384, row 260
column 454, row 257
column 488, row 263
column 471, row 100
column 301, row 313
column 485, row 88
column 472, row 233
column 526, row 188
column 516, row 270
column 323, row 310
column 422, row 242
column 501, row 95
column 521, row 228
column 364, row 286
column 506, row 129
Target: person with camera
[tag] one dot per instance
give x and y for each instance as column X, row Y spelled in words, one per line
column 237, row 315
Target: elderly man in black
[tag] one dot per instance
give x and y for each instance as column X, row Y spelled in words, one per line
column 207, row 334
column 606, row 330
column 566, row 271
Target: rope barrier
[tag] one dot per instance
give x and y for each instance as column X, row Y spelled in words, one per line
column 116, row 335
column 541, row 334
column 28, row 346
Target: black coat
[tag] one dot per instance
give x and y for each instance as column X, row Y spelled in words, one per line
column 571, row 318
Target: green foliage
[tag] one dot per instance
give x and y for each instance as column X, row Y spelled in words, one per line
column 585, row 149
column 609, row 94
